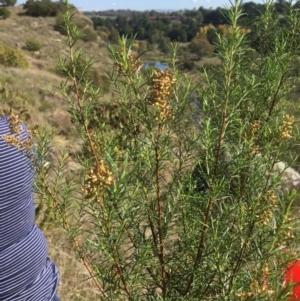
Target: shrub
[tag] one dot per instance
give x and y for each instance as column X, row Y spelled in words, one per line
column 88, row 35
column 135, row 46
column 8, row 2
column 43, row 8
column 169, row 207
column 103, row 32
column 211, row 36
column 60, row 24
column 188, row 64
column 33, row 45
column 4, row 13
column 11, row 57
column 91, row 73
column 163, row 44
column 201, row 47
column 113, row 37
column 142, row 47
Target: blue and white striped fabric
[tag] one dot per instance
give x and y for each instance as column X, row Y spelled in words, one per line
column 26, row 272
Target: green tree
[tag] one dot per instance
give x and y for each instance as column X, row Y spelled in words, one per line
column 113, row 37
column 190, row 26
column 201, row 47
column 211, row 36
column 142, row 47
column 43, row 8
column 98, row 21
column 163, row 44
column 177, row 33
column 252, row 12
column 8, row 2
column 122, row 25
column 216, row 17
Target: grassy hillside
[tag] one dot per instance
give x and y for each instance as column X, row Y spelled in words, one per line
column 38, row 86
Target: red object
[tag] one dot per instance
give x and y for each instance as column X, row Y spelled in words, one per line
column 292, row 276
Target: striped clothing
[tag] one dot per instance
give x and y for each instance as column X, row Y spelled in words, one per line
column 26, row 272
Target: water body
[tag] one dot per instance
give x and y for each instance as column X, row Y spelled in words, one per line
column 159, row 65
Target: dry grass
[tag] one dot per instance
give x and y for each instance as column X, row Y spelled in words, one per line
column 75, row 283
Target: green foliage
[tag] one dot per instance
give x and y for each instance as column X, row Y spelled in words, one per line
column 13, row 101
column 8, row 2
column 187, row 64
column 201, row 47
column 135, row 46
column 216, row 16
column 211, row 36
column 59, row 24
column 177, row 33
column 103, row 32
column 182, row 26
column 11, row 57
column 88, row 35
column 4, row 13
column 146, row 25
column 163, row 44
column 33, row 45
column 180, row 200
column 142, row 47
column 91, row 74
column 43, row 8
column 295, row 68
column 252, row 12
column 113, row 37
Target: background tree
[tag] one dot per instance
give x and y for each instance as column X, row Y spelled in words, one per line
column 201, row 47
column 4, row 13
column 113, row 37
column 44, row 8
column 211, row 36
column 123, row 26
column 8, row 2
column 163, row 44
column 177, row 33
column 216, row 17
column 103, row 32
column 252, row 11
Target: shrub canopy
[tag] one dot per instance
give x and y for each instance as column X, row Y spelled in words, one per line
column 11, row 57
column 8, row 2
column 43, row 8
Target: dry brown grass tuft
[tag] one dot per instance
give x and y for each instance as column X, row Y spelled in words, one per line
column 75, row 283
